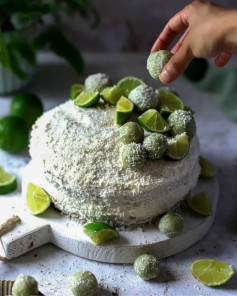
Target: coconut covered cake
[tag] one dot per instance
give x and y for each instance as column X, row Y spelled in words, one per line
column 94, row 171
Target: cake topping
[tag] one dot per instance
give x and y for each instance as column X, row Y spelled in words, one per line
column 178, row 147
column 131, row 132
column 128, row 83
column 97, row 82
column 133, row 156
column 152, row 121
column 156, row 62
column 112, row 94
column 155, row 145
column 124, row 109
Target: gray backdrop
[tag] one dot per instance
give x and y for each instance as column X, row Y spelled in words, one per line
column 126, row 25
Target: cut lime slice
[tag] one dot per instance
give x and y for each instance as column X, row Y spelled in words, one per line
column 87, row 99
column 152, row 121
column 178, row 147
column 37, row 199
column 76, row 89
column 168, row 102
column 128, row 83
column 207, row 170
column 112, row 94
column 124, row 110
column 8, row 182
column 200, row 204
column 211, row 272
column 100, row 232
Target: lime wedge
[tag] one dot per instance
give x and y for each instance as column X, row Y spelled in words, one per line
column 152, row 121
column 168, row 102
column 112, row 94
column 178, row 147
column 37, row 199
column 128, row 83
column 100, row 232
column 76, row 89
column 124, row 110
column 87, row 99
column 207, row 170
column 200, row 204
column 8, row 182
column 211, row 272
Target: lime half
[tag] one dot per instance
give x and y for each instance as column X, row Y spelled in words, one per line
column 8, row 182
column 76, row 89
column 152, row 121
column 87, row 99
column 124, row 110
column 37, row 199
column 128, row 83
column 112, row 94
column 178, row 147
column 207, row 170
column 200, row 204
column 211, row 272
column 168, row 102
column 100, row 232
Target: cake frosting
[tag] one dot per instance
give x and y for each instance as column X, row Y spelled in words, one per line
column 78, row 152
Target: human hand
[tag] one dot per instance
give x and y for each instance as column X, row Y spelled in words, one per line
column 206, row 25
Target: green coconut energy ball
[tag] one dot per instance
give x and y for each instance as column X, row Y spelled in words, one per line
column 156, row 62
column 131, row 132
column 171, row 224
column 83, row 283
column 143, row 97
column 155, row 145
column 133, row 156
column 182, row 121
column 25, row 285
column 147, row 267
column 97, row 82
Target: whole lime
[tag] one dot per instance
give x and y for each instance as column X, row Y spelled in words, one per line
column 26, row 106
column 14, row 134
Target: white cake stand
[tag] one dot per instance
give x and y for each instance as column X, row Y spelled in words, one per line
column 52, row 227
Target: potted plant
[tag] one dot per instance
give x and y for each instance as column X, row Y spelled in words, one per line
column 23, row 32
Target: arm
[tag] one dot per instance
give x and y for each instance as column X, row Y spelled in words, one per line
column 210, row 31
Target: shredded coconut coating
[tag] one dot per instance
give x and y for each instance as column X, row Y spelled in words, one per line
column 97, row 82
column 78, row 151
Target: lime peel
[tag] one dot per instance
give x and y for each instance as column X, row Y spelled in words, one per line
column 200, row 203
column 128, row 83
column 8, row 182
column 87, row 99
column 124, row 109
column 152, row 121
column 207, row 169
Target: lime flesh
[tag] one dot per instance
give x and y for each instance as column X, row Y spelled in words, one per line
column 128, row 83
column 168, row 102
column 178, row 147
column 152, row 121
column 124, row 109
column 100, row 232
column 211, row 272
column 207, row 170
column 37, row 199
column 8, row 182
column 112, row 94
column 87, row 99
column 200, row 204
column 75, row 91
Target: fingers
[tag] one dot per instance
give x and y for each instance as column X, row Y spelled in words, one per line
column 222, row 59
column 177, row 64
column 176, row 25
column 179, row 43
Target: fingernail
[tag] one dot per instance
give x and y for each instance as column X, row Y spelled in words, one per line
column 165, row 77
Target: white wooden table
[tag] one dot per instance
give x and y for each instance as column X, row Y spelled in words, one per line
column 52, row 267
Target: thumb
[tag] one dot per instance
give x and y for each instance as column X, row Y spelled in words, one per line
column 177, row 64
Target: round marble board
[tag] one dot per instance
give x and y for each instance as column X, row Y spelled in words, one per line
column 67, row 234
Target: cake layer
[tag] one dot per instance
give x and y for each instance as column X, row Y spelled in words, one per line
column 78, row 151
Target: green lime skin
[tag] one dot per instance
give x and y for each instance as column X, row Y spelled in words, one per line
column 131, row 132
column 25, row 285
column 156, row 62
column 182, row 121
column 147, row 267
column 83, row 283
column 171, row 224
column 144, row 98
column 97, row 82
column 133, row 156
column 26, row 106
column 155, row 145
column 14, row 134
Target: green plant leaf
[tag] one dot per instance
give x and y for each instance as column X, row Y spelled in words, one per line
column 25, row 50
column 4, row 56
column 59, row 44
column 22, row 20
column 14, row 64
